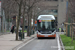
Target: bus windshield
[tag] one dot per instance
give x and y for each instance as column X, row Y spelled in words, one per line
column 46, row 25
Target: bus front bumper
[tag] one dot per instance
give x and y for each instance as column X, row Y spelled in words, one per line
column 46, row 35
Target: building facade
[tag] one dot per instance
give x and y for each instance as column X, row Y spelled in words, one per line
column 56, row 8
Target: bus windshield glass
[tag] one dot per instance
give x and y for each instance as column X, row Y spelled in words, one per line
column 46, row 25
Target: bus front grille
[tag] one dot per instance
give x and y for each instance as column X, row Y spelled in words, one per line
column 45, row 33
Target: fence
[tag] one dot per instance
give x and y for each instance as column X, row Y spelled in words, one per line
column 5, row 27
column 70, row 29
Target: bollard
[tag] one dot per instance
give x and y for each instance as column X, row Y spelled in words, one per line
column 23, row 36
column 33, row 31
column 20, row 35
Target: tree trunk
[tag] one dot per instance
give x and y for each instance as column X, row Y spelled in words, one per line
column 28, row 34
column 72, row 33
column 1, row 24
column 8, row 23
column 34, row 22
column 23, row 22
column 30, row 22
column 18, row 19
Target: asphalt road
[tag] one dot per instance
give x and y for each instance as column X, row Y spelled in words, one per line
column 41, row 44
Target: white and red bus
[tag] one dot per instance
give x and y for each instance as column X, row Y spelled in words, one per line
column 46, row 26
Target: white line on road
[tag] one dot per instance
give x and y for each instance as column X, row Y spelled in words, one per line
column 25, row 44
column 58, row 42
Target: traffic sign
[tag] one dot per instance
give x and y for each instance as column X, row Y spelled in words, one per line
column 35, row 24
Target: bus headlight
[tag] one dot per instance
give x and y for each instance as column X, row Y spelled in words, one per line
column 38, row 33
column 54, row 33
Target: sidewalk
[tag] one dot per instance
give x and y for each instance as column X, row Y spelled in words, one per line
column 60, row 33
column 7, row 41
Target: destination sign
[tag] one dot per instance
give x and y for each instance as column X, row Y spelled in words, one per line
column 47, row 20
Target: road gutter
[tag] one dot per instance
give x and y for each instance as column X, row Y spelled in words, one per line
column 59, row 47
column 63, row 48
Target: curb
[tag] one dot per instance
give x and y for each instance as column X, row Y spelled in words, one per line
column 58, row 41
column 61, row 43
column 15, row 48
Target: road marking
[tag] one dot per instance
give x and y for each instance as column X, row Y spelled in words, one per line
column 25, row 44
column 58, row 42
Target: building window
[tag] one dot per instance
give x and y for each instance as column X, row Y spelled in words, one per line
column 54, row 10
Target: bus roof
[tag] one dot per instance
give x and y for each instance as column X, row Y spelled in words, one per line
column 46, row 17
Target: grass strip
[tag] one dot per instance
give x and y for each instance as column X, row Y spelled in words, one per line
column 67, row 42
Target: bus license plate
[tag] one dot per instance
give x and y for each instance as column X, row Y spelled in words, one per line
column 46, row 35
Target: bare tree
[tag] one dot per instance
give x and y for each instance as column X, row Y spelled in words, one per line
column 30, row 5
column 71, row 15
column 24, row 12
column 19, row 2
column 17, row 7
column 7, row 8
